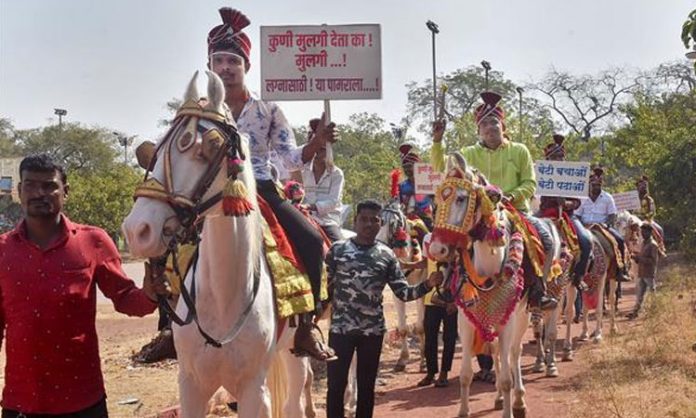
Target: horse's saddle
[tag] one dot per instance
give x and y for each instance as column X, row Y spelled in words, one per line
column 293, row 290
column 602, row 230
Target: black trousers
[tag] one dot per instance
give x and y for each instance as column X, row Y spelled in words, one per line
column 333, row 232
column 485, row 362
column 97, row 410
column 304, row 236
column 164, row 322
column 434, row 316
column 369, row 349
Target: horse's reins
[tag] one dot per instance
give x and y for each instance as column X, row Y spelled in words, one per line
column 188, row 211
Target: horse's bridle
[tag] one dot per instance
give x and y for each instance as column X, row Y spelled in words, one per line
column 188, row 209
column 222, row 133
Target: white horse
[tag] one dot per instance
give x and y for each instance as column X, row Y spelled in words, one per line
column 233, row 289
column 393, row 223
column 462, row 207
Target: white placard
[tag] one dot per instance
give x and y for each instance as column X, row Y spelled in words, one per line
column 562, row 178
column 321, row 62
column 426, row 178
column 627, row 200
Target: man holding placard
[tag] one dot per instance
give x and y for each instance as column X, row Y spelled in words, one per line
column 268, row 131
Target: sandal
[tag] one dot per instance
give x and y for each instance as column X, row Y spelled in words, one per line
column 479, row 376
column 320, row 350
column 490, row 377
column 426, row 381
column 442, row 382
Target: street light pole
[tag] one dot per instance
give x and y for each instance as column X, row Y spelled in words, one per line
column 124, row 141
column 434, row 29
column 519, row 91
column 486, row 67
column 60, row 113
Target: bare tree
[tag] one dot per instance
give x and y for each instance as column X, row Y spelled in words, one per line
column 586, row 104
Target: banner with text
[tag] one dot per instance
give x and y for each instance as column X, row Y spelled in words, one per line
column 426, row 178
column 627, row 200
column 320, row 62
column 562, row 178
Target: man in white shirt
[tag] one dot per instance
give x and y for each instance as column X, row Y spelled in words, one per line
column 601, row 209
column 323, row 185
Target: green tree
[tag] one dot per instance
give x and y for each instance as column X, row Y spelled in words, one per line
column 102, row 198
column 78, row 148
column 8, row 140
column 367, row 152
column 688, row 34
column 660, row 141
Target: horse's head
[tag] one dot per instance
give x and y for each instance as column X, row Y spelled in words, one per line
column 462, row 204
column 393, row 230
column 189, row 168
column 628, row 225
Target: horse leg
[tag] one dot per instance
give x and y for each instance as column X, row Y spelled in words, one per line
column 503, row 378
column 551, row 335
column 466, row 373
column 571, row 294
column 297, row 371
column 350, row 397
column 519, row 407
column 254, row 398
column 538, row 322
column 310, row 410
column 402, row 331
column 599, row 312
column 613, row 284
column 420, row 332
column 194, row 396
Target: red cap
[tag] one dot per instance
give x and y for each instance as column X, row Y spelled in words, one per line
column 229, row 37
column 408, row 156
column 490, row 107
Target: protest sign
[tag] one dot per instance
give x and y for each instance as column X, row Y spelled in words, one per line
column 627, row 200
column 562, row 178
column 426, row 178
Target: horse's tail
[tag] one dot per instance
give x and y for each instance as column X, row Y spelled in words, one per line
column 277, row 382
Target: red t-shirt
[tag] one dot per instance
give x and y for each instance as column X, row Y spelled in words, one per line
column 48, row 306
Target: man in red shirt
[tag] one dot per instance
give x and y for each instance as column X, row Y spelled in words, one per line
column 50, row 271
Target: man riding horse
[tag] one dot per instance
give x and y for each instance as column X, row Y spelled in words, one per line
column 268, row 130
column 414, row 205
column 508, row 165
column 577, row 237
column 600, row 209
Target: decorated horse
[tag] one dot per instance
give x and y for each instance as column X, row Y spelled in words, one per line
column 201, row 191
column 398, row 233
column 486, row 252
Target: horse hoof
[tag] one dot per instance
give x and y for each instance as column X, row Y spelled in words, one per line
column 498, row 405
column 552, row 372
column 399, row 367
column 583, row 337
column 567, row 356
column 519, row 412
column 597, row 339
column 538, row 367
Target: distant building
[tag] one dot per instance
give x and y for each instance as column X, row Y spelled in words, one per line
column 9, row 177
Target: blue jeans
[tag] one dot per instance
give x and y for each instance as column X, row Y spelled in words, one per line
column 585, row 241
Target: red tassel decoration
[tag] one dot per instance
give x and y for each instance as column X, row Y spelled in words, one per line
column 235, row 197
column 395, row 174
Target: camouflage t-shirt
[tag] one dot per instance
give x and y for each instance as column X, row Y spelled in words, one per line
column 357, row 276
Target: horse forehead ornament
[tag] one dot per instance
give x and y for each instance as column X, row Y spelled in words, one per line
column 211, row 121
column 458, row 179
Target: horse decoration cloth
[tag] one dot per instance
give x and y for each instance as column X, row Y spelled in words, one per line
column 601, row 229
column 565, row 226
column 292, row 288
column 485, row 308
column 530, row 236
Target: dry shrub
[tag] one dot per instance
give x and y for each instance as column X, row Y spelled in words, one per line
column 649, row 370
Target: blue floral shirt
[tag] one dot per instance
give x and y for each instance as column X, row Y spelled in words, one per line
column 268, row 130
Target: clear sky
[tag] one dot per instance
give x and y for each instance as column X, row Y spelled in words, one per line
column 116, row 63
